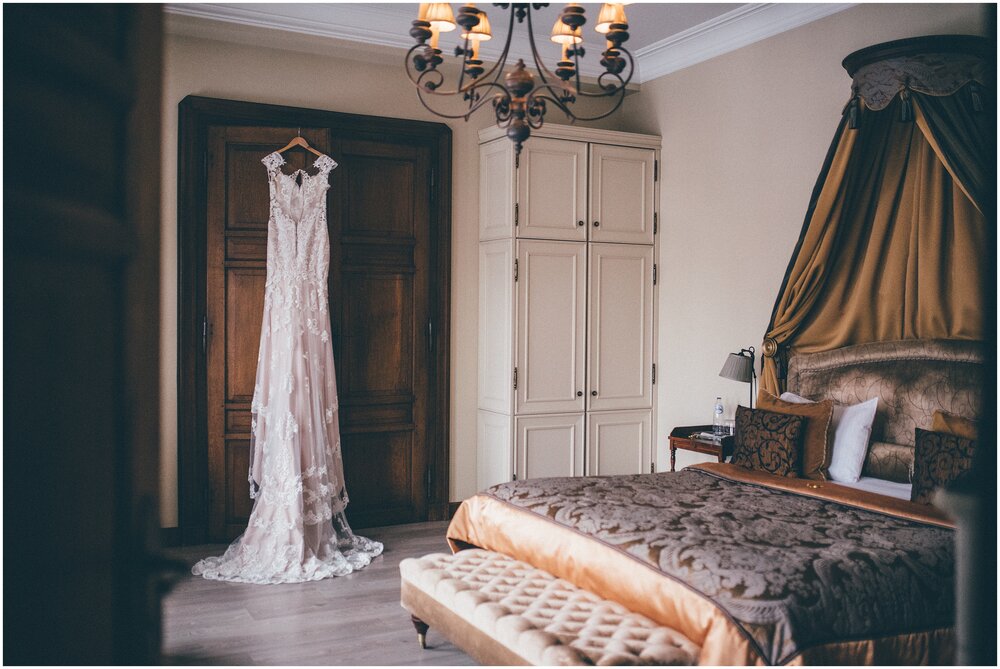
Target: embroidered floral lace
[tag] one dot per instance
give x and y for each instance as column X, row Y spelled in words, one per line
column 297, row 530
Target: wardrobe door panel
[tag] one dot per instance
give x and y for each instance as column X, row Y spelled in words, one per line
column 548, row 446
column 496, row 190
column 496, row 315
column 551, row 323
column 621, row 194
column 495, row 459
column 552, row 190
column 619, row 442
column 621, row 327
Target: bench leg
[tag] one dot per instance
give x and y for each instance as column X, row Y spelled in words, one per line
column 421, row 628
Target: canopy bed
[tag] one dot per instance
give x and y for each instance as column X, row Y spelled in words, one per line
column 810, row 548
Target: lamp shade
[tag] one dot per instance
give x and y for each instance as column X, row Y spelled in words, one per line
column 439, row 15
column 563, row 34
column 481, row 31
column 611, row 12
column 738, row 367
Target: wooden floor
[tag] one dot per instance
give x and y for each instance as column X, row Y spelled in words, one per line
column 351, row 620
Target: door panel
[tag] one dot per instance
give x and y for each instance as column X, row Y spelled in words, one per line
column 495, row 461
column 619, row 442
column 621, row 327
column 379, row 295
column 552, row 190
column 379, row 307
column 496, row 188
column 621, row 194
column 496, row 287
column 551, row 324
column 548, row 446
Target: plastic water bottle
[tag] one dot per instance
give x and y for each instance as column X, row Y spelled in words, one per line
column 718, row 425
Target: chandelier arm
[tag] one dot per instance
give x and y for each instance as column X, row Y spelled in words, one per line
column 466, row 113
column 565, row 109
column 417, row 81
column 612, row 89
column 540, row 64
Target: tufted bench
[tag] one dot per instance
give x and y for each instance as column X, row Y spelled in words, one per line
column 506, row 612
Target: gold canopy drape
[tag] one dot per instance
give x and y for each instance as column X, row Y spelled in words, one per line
column 894, row 240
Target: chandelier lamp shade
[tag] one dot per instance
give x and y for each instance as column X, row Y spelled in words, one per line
column 519, row 97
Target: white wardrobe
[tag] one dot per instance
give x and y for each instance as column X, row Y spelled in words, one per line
column 567, row 282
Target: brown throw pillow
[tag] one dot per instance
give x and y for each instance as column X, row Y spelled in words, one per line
column 815, row 449
column 767, row 441
column 950, row 423
column 938, row 460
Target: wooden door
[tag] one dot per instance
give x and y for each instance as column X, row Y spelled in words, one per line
column 382, row 331
column 551, row 326
column 548, row 446
column 619, row 442
column 621, row 194
column 81, row 345
column 620, row 327
column 552, row 190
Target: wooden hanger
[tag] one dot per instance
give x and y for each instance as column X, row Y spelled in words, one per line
column 299, row 140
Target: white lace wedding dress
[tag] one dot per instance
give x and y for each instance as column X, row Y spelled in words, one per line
column 297, row 530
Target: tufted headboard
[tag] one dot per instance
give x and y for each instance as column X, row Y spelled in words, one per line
column 912, row 380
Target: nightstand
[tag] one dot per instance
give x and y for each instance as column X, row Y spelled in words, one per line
column 680, row 438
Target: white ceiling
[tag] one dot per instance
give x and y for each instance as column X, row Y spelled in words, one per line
column 664, row 37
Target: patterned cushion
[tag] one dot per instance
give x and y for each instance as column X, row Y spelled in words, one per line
column 816, row 450
column 768, row 441
column 939, row 459
column 546, row 620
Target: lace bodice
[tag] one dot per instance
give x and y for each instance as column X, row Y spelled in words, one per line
column 298, row 243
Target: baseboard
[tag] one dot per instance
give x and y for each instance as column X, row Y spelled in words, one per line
column 170, row 537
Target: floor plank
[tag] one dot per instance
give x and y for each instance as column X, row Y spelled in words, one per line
column 352, row 620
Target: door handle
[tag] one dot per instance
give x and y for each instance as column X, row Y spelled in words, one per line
column 593, row 393
column 579, row 393
column 597, row 224
column 580, row 223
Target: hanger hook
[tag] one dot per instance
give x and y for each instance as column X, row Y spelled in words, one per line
column 299, row 131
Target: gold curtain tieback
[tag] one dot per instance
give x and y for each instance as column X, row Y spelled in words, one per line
column 770, row 347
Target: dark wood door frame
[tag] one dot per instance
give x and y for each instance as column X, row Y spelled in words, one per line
column 196, row 115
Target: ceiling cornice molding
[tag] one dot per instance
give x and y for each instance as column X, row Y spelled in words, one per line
column 733, row 30
column 242, row 15
column 378, row 26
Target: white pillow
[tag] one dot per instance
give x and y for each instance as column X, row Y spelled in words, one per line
column 852, row 429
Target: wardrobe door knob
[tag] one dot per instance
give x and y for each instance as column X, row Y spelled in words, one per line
column 597, row 224
column 580, row 223
column 593, row 393
column 579, row 393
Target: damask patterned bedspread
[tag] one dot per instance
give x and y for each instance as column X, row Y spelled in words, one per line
column 766, row 572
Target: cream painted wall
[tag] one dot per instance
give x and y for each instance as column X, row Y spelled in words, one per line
column 744, row 137
column 197, row 66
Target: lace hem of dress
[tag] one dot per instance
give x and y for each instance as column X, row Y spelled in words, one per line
column 343, row 553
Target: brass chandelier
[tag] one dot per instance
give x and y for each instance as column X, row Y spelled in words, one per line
column 519, row 99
